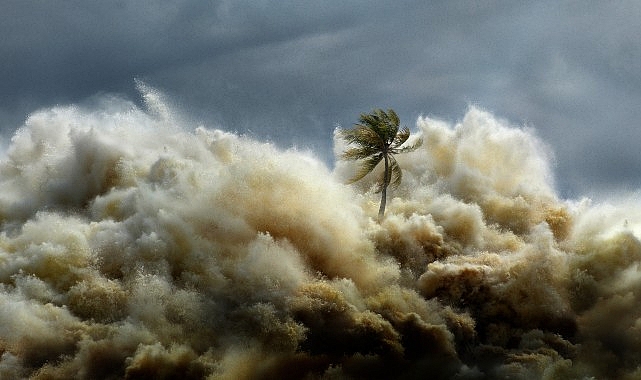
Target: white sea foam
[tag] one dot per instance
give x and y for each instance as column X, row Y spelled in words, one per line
column 133, row 247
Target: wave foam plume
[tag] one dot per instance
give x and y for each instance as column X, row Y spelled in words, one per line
column 134, row 248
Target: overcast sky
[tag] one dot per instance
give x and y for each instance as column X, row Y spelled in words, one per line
column 289, row 71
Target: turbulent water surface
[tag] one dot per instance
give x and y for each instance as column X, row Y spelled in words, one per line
column 133, row 247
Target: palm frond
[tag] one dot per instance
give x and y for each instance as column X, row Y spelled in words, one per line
column 393, row 117
column 396, row 174
column 390, row 123
column 368, row 165
column 361, row 135
column 372, row 122
column 393, row 123
column 384, row 124
column 359, row 153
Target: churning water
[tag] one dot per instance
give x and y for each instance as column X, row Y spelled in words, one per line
column 133, row 247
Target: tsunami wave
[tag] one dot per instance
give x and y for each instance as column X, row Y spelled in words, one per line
column 133, row 246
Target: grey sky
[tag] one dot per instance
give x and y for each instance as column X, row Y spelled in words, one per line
column 289, row 71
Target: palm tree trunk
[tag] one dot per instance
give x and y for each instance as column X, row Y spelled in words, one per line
column 386, row 180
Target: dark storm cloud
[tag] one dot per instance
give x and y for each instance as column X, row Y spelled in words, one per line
column 290, row 72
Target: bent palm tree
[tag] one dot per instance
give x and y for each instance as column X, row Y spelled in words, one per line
column 377, row 138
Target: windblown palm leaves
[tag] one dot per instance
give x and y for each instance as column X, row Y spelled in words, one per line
column 374, row 139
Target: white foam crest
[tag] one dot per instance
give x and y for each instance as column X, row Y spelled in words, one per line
column 133, row 247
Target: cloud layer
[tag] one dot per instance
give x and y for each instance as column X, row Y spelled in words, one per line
column 132, row 248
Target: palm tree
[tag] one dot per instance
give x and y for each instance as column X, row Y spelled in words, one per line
column 377, row 138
